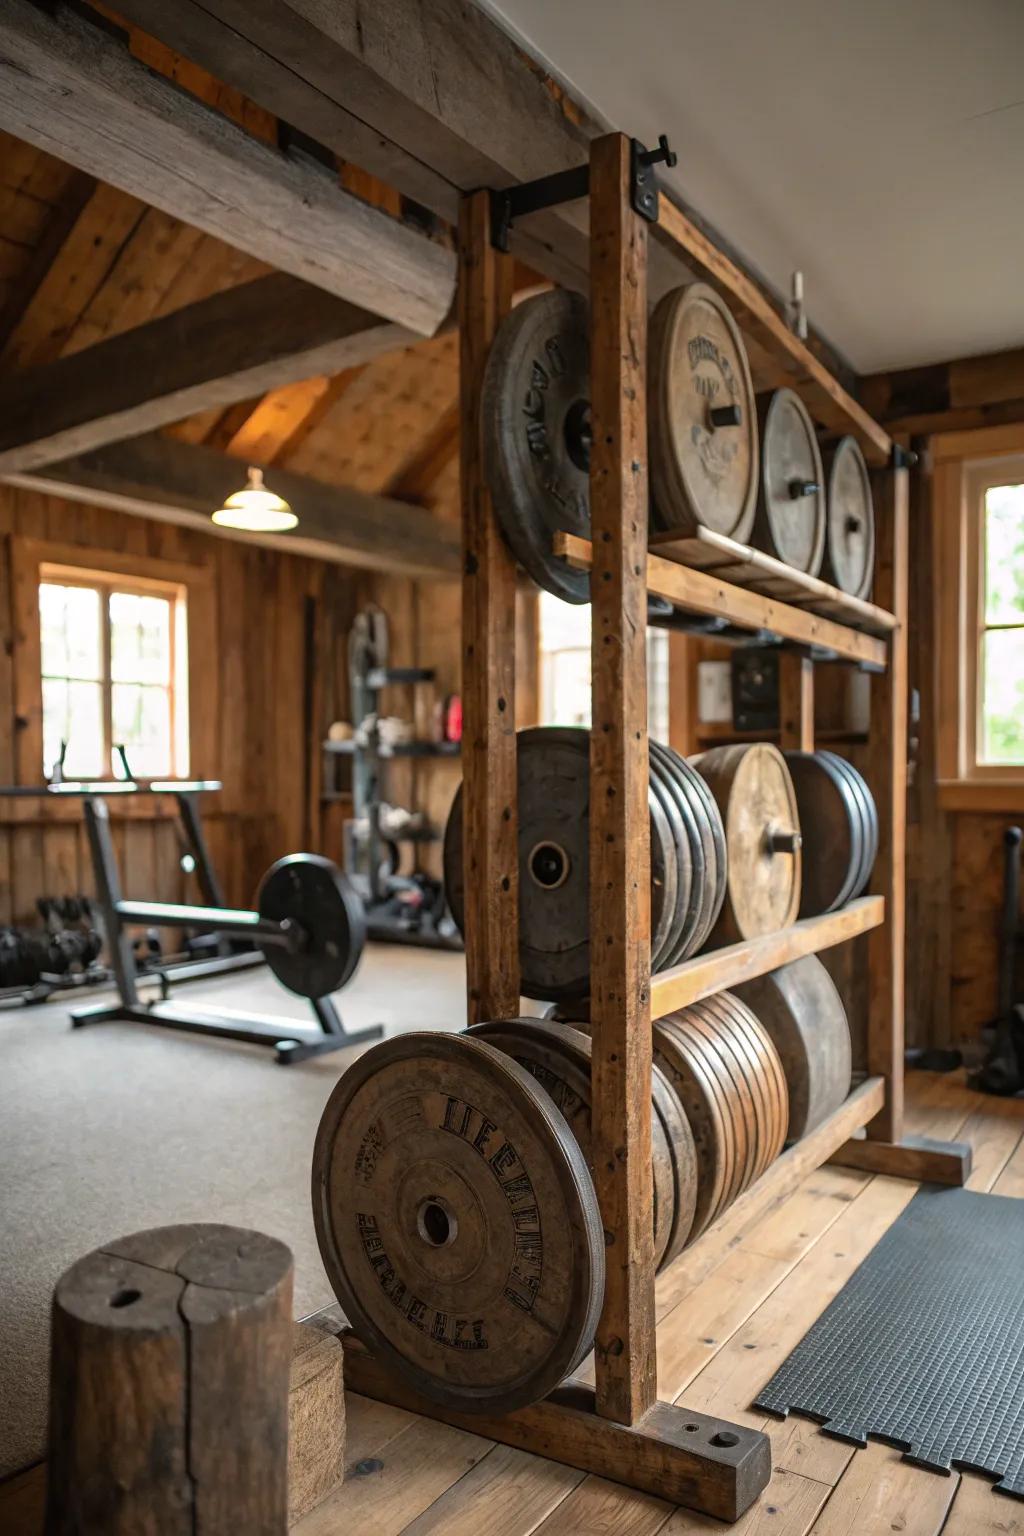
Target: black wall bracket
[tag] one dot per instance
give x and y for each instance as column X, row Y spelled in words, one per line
column 510, row 203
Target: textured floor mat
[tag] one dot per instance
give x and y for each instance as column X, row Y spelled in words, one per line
column 924, row 1345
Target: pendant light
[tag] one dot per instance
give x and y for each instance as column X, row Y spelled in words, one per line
column 255, row 509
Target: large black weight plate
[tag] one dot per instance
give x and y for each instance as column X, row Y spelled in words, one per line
column 553, row 777
column 702, row 851
column 869, row 816
column 718, row 831
column 536, row 423
column 664, row 879
column 680, row 852
column 312, row 892
column 832, row 828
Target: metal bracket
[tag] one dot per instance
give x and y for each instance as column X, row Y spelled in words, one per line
column 903, row 458
column 511, row 203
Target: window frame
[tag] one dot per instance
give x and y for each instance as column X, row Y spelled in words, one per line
column 175, row 593
column 965, row 465
column 28, row 557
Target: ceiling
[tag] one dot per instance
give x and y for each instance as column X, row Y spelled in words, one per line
column 877, row 145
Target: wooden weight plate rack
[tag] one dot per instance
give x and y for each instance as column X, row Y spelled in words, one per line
column 619, row 1428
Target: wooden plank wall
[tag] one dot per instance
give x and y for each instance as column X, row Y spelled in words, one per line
column 253, row 712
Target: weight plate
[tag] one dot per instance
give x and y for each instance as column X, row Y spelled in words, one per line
column 714, row 816
column 553, row 776
column 690, row 820
column 313, row 893
column 457, row 1222
column 680, row 1055
column 723, row 1011
column 680, row 845
column 669, row 1109
column 768, row 1078
column 708, row 821
column 754, row 792
column 868, row 816
column 850, row 537
column 799, row 1007
column 703, row 420
column 832, row 825
column 723, row 1060
column 558, row 1057
column 790, row 518
column 664, row 879
column 535, row 410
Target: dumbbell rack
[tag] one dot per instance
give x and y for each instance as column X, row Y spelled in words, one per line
column 620, row 1429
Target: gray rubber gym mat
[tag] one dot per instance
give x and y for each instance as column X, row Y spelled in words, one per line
column 924, row 1346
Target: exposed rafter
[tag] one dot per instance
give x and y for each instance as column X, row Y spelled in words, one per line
column 155, row 476
column 72, row 88
column 221, row 350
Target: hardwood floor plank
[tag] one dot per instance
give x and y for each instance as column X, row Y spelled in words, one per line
column 600, row 1508
column 417, row 1467
column 507, row 1493
column 881, row 1493
column 994, row 1134
column 788, row 1507
column 696, row 1330
column 1011, row 1179
column 978, row 1511
column 370, row 1426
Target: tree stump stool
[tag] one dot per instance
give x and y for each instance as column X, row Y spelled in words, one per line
column 169, row 1379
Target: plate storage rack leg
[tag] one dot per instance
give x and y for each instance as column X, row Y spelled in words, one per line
column 617, row 1429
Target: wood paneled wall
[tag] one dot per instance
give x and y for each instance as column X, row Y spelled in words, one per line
column 262, row 691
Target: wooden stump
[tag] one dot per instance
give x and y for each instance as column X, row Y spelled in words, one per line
column 169, row 1381
column 316, row 1419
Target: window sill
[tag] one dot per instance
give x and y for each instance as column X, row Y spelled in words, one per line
column 982, row 794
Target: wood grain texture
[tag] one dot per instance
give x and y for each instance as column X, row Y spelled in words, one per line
column 488, row 650
column 703, row 592
column 169, row 1386
column 156, row 477
column 226, row 348
column 620, row 917
column 316, row 1420
column 796, row 702
column 887, row 775
column 75, row 91
column 915, row 1157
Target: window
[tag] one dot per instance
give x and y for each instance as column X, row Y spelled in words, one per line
column 978, row 626
column 565, row 668
column 999, row 669
column 114, row 673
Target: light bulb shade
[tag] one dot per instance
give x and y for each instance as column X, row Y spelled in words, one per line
column 255, row 509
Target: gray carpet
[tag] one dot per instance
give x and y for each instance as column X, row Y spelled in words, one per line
column 113, row 1128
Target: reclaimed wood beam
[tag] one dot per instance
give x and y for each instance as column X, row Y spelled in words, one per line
column 946, row 397
column 434, row 99
column 230, row 347
column 159, row 477
column 71, row 87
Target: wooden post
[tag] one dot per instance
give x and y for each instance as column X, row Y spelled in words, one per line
column 796, row 702
column 491, row 861
column 887, row 771
column 620, row 918
column 169, row 1386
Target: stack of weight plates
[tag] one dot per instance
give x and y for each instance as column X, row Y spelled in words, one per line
column 790, row 520
column 702, row 417
column 850, row 534
column 754, row 793
column 688, row 861
column 558, row 1057
column 457, row 1222
column 799, row 1007
column 839, row 822
column 729, row 1078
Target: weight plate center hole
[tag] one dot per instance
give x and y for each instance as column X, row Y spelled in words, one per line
column 436, row 1223
column 578, row 437
column 549, row 866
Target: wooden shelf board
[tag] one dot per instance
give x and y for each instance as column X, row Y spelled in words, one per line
column 721, row 968
column 752, row 568
column 701, row 592
column 793, row 362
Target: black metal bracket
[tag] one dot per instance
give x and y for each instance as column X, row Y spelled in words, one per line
column 903, row 458
column 510, row 203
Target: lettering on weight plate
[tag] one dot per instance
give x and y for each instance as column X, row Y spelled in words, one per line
column 454, row 1332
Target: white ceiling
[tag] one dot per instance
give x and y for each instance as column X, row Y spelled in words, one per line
column 878, row 145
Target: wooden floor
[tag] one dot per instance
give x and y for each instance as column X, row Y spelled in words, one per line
column 728, row 1316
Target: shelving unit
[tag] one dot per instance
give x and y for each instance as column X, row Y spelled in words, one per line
column 619, row 1428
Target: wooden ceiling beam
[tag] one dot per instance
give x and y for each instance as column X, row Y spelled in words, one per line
column 945, row 397
column 221, row 350
column 157, row 477
column 435, row 99
column 285, row 417
column 71, row 87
